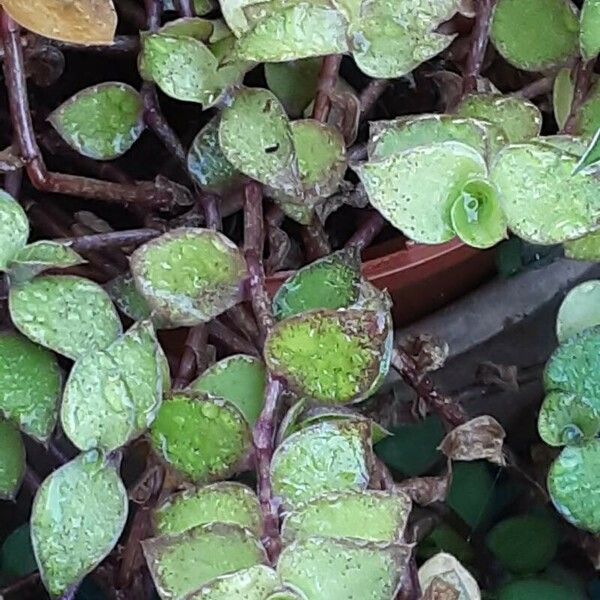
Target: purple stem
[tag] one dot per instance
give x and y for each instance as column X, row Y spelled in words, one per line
column 16, row 588
column 243, row 319
column 112, row 239
column 185, row 8
column 325, row 86
column 371, row 94
column 219, row 332
column 367, row 232
column 479, row 42
column 583, row 81
column 193, row 358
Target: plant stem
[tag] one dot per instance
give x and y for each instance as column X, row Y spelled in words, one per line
column 536, row 88
column 367, row 232
column 19, row 586
column 325, row 86
column 112, row 239
column 146, row 193
column 243, row 319
column 123, row 45
column 451, row 412
column 218, row 331
column 185, row 8
column 583, row 81
column 193, row 357
column 371, row 94
column 479, row 42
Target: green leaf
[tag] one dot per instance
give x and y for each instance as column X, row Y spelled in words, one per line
column 240, row 380
column 412, row 449
column 524, row 544
column 207, row 163
column 129, row 301
column 234, row 14
column 40, row 256
column 14, row 229
column 587, row 118
column 338, row 569
column 518, row 36
column 331, row 282
column 586, row 248
column 12, row 460
column 326, row 457
column 543, row 202
column 223, row 502
column 520, row 119
column 30, row 383
column 566, row 419
column 390, row 137
column 471, row 494
column 182, row 67
column 16, row 555
column 290, row 422
column 572, row 480
column 476, row 215
column 389, row 39
column 285, row 595
column 591, row 157
column 294, row 83
column 369, row 515
column 302, row 30
column 562, row 96
column 256, row 138
column 589, row 29
column 334, row 357
column 186, row 27
column 445, row 539
column 579, row 310
column 113, row 395
column 202, row 438
column 188, row 276
column 416, row 188
column 566, row 143
column 531, row 588
column 78, row 515
column 180, row 564
column 253, row 583
column 101, row 122
column 70, row 315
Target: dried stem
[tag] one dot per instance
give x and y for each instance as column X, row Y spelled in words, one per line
column 367, row 232
column 479, row 42
column 219, row 332
column 325, row 86
column 193, row 358
column 449, row 411
column 371, row 94
column 583, row 81
column 112, row 239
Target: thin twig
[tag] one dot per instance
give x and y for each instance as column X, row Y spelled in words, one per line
column 123, row 45
column 112, row 239
column 363, row 237
column 536, row 88
column 193, row 358
column 449, row 410
column 242, row 318
column 371, row 94
column 219, row 332
column 583, row 80
column 325, row 86
column 479, row 42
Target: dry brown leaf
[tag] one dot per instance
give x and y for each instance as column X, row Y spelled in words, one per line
column 479, row 438
column 10, row 160
column 440, row 590
column 87, row 22
column 427, row 490
column 445, row 567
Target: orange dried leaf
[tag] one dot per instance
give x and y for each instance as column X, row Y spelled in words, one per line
column 76, row 21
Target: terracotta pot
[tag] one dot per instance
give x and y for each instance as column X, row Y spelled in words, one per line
column 419, row 278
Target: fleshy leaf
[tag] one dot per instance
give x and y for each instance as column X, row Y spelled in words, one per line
column 294, row 83
column 129, row 301
column 207, row 163
column 589, row 29
column 70, row 315
column 78, row 515
column 82, row 22
column 537, row 587
column 525, row 543
column 390, row 137
column 290, row 422
column 338, row 569
column 238, row 379
column 40, row 256
column 579, row 310
column 202, row 438
column 543, row 202
column 301, row 30
column 188, row 276
column 520, row 119
column 285, row 595
column 587, row 118
column 445, row 567
column 591, row 156
column 518, row 37
column 247, row 584
column 30, row 383
column 415, row 189
column 101, row 122
column 113, row 395
column 12, row 460
column 334, row 357
column 572, row 479
column 199, row 29
column 14, row 229
column 182, row 67
column 476, row 215
column 223, row 502
column 234, row 15
column 331, row 282
column 256, row 138
column 180, row 564
column 367, row 515
column 326, row 457
column 16, row 555
column 389, row 39
column 562, row 96
column 585, row 248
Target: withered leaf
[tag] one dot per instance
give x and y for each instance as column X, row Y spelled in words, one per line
column 439, row 589
column 427, row 490
column 479, row 438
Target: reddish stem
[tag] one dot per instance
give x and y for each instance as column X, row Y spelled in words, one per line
column 367, row 232
column 219, row 332
column 19, row 586
column 112, row 239
column 193, row 358
column 325, row 86
column 185, row 8
column 371, row 94
column 479, row 42
column 583, row 80
column 242, row 318
column 449, row 411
